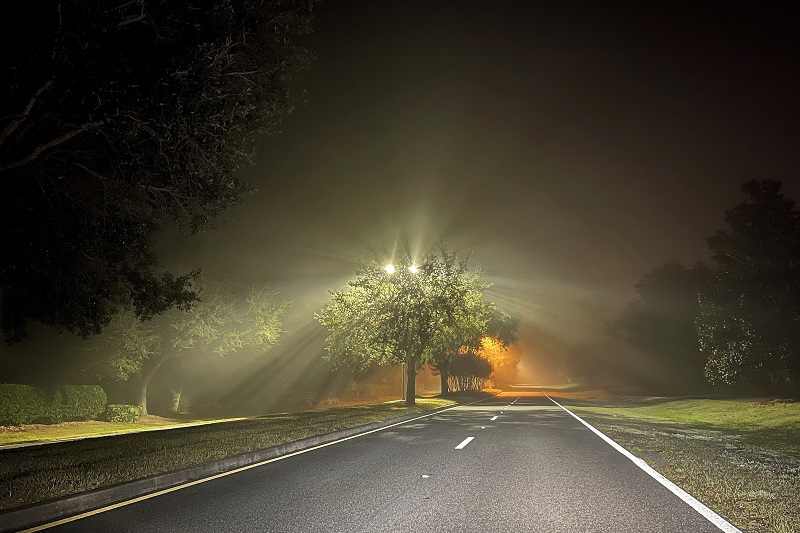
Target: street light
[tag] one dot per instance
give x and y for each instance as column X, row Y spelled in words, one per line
column 413, row 269
column 389, row 268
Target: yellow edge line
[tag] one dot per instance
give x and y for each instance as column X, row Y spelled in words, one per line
column 223, row 474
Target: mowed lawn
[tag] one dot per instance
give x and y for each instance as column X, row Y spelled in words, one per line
column 33, row 474
column 741, row 457
column 39, row 433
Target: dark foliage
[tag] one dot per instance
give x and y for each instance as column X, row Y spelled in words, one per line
column 468, row 372
column 749, row 321
column 118, row 120
column 24, row 404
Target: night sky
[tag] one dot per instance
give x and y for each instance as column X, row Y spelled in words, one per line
column 569, row 147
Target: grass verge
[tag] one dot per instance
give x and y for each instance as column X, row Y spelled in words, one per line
column 42, row 433
column 739, row 457
column 34, row 474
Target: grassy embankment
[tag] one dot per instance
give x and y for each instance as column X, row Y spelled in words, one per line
column 739, row 457
column 38, row 473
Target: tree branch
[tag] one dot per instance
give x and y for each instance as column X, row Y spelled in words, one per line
column 131, row 19
column 14, row 124
column 46, row 146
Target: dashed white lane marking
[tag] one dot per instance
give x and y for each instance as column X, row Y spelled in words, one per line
column 464, row 443
column 86, row 514
column 494, row 418
column 694, row 503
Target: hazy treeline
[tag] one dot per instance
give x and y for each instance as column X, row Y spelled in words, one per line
column 733, row 324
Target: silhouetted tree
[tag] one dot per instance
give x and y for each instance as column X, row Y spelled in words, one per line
column 469, row 372
column 749, row 321
column 660, row 324
column 118, row 120
column 408, row 315
column 221, row 322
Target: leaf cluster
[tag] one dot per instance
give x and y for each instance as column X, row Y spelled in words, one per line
column 224, row 320
column 411, row 315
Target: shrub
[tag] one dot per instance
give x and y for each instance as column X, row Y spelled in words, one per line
column 81, row 402
column 24, row 404
column 21, row 404
column 117, row 412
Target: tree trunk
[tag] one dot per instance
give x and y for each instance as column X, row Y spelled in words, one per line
column 147, row 376
column 175, row 404
column 142, row 393
column 445, row 385
column 411, row 381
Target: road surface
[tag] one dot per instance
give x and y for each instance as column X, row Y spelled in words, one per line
column 488, row 466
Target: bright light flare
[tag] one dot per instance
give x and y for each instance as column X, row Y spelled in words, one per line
column 413, row 269
column 389, row 268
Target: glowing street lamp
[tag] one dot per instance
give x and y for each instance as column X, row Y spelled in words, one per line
column 413, row 269
column 389, row 268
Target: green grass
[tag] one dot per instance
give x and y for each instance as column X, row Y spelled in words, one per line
column 739, row 457
column 36, row 433
column 33, row 474
column 772, row 424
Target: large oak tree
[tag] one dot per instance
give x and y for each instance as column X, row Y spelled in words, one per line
column 410, row 313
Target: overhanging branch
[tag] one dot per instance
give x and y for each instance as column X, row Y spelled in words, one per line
column 36, row 152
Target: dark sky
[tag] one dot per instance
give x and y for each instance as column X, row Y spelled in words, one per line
column 569, row 147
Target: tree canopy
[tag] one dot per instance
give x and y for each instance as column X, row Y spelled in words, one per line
column 406, row 312
column 119, row 120
column 224, row 320
column 750, row 310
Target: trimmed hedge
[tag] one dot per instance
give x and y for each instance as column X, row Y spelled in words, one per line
column 25, row 404
column 117, row 412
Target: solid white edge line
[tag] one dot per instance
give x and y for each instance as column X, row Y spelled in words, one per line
column 464, row 443
column 87, row 514
column 687, row 498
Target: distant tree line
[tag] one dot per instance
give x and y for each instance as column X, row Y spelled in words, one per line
column 735, row 323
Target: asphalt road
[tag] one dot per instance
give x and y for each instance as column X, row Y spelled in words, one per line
column 533, row 468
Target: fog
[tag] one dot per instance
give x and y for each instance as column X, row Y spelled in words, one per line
column 567, row 149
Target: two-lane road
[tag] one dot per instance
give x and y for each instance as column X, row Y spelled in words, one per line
column 490, row 466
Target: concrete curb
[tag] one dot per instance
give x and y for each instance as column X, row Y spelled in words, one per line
column 42, row 513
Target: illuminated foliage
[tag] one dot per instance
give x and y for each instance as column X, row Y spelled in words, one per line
column 494, row 351
column 500, row 327
column 120, row 120
column 411, row 313
column 223, row 321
